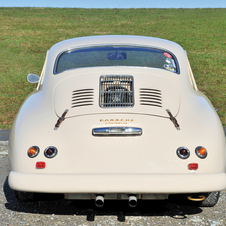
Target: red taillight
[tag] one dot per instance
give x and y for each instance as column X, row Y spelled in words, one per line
column 193, row 166
column 50, row 152
column 183, row 153
column 40, row 165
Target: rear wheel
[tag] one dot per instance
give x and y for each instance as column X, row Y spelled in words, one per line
column 33, row 196
column 24, row 196
column 211, row 199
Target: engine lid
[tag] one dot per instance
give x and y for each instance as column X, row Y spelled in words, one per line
column 116, row 93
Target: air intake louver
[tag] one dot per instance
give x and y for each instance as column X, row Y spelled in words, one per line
column 82, row 97
column 151, row 97
column 116, row 91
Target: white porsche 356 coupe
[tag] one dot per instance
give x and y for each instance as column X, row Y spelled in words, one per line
column 117, row 117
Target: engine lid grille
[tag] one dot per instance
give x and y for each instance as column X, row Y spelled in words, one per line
column 151, row 97
column 82, row 97
column 116, row 91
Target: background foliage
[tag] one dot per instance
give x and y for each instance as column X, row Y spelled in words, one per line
column 27, row 33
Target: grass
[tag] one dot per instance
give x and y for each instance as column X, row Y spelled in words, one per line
column 27, row 33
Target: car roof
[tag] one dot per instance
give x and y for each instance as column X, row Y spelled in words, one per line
column 130, row 40
column 117, row 40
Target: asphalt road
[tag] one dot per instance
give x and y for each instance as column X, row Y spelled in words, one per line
column 4, row 135
column 60, row 212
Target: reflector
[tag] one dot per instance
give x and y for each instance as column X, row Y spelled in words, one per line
column 40, row 165
column 193, row 166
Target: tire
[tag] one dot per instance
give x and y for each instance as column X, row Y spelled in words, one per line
column 24, row 196
column 211, row 199
column 33, row 196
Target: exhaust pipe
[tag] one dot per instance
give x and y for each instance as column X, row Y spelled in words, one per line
column 99, row 201
column 132, row 201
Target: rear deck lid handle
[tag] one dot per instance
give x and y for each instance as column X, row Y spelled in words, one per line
column 117, row 131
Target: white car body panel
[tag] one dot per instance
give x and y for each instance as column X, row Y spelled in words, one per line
column 145, row 164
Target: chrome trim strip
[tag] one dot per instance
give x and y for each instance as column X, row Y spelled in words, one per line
column 117, row 131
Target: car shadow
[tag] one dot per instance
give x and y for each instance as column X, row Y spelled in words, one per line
column 55, row 204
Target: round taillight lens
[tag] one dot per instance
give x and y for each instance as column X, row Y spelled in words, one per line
column 183, row 153
column 50, row 152
column 33, row 151
column 201, row 152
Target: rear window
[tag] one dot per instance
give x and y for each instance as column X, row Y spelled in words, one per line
column 116, row 56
